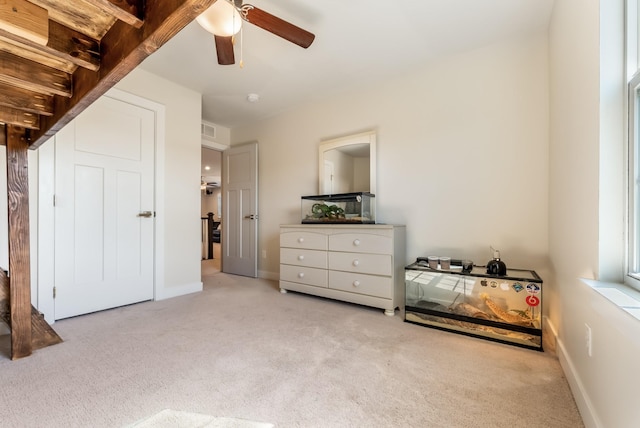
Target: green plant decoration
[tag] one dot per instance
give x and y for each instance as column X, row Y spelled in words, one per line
column 328, row 212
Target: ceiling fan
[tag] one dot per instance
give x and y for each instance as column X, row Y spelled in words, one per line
column 224, row 19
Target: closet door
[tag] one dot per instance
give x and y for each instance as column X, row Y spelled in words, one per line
column 104, row 208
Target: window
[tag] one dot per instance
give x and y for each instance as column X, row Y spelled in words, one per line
column 632, row 266
column 633, row 195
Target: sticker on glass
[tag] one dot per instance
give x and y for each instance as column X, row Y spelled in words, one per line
column 533, row 288
column 532, row 300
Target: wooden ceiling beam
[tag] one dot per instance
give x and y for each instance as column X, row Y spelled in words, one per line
column 78, row 14
column 24, row 119
column 28, row 20
column 32, row 76
column 23, row 99
column 74, row 46
column 64, row 44
column 123, row 48
column 128, row 11
column 37, row 55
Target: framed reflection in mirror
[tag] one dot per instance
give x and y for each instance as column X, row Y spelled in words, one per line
column 348, row 164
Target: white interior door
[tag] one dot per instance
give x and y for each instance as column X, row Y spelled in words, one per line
column 104, row 208
column 328, row 178
column 240, row 206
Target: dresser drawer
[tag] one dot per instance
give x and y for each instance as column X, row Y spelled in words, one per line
column 377, row 286
column 307, row 240
column 361, row 243
column 301, row 257
column 304, row 275
column 377, row 264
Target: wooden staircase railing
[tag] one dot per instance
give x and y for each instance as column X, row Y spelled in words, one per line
column 42, row 335
column 208, row 228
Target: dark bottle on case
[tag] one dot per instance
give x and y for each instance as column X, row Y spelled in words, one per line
column 496, row 266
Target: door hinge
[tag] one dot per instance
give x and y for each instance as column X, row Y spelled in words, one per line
column 54, row 292
column 54, row 200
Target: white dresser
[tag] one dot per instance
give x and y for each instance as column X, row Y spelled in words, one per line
column 361, row 264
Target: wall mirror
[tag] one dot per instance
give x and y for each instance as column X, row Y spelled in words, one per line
column 348, row 164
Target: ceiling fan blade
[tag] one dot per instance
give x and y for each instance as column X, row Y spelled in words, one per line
column 279, row 27
column 224, row 49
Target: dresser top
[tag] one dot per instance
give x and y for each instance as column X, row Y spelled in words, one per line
column 343, row 226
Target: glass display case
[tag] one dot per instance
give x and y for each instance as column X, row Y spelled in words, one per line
column 350, row 208
column 505, row 308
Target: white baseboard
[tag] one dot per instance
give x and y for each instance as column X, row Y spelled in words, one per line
column 178, row 290
column 549, row 336
column 585, row 406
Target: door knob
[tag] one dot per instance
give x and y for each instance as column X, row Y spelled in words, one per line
column 251, row 216
column 145, row 214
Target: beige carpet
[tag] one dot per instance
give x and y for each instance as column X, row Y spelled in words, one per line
column 212, row 266
column 242, row 350
column 176, row 419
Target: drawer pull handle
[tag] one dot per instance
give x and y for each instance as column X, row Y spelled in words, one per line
column 301, row 275
column 301, row 240
column 356, row 262
column 356, row 283
column 356, row 242
column 301, row 257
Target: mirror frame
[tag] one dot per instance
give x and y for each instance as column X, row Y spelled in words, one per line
column 368, row 137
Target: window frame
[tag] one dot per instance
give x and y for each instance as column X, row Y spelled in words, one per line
column 632, row 265
column 632, row 151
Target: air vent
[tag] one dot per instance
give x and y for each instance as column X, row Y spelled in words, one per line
column 208, row 132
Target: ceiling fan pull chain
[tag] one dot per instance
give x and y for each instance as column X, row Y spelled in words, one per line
column 244, row 11
column 241, row 44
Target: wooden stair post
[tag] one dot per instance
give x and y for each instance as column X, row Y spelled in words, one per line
column 25, row 321
column 42, row 335
column 5, row 309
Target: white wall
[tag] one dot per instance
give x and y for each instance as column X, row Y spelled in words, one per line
column 4, row 219
column 179, row 168
column 222, row 139
column 209, row 203
column 462, row 155
column 586, row 209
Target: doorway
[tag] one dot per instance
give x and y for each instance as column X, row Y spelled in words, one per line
column 211, row 202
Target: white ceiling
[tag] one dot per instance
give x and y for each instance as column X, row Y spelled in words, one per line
column 357, row 41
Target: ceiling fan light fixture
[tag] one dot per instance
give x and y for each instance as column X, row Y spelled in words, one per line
column 221, row 19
